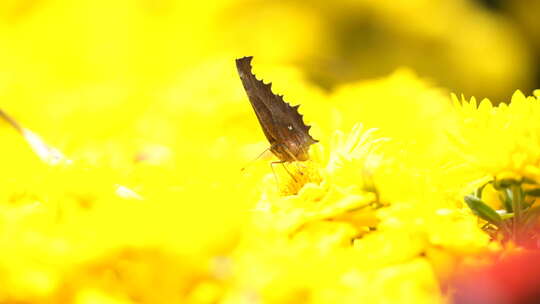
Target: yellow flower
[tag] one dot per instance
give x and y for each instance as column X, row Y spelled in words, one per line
column 500, row 141
column 121, row 178
column 324, row 235
column 331, row 184
column 500, row 145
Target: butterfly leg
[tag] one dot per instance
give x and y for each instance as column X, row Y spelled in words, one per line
column 295, row 159
column 274, row 172
column 282, row 162
column 287, row 169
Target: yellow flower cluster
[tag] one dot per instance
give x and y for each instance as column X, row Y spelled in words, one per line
column 371, row 222
column 500, row 141
column 124, row 128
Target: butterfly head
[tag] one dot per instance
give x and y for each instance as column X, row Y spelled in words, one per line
column 291, row 150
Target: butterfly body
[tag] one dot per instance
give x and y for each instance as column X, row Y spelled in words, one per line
column 281, row 123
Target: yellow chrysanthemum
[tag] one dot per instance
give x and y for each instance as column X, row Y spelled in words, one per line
column 330, row 184
column 499, row 146
column 500, row 141
column 128, row 126
column 324, row 234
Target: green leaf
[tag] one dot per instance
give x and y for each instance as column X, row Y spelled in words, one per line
column 533, row 192
column 478, row 192
column 482, row 210
column 504, row 183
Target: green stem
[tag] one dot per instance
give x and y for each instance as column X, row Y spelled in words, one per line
column 517, row 205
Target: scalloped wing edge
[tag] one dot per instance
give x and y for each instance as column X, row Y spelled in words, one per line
column 293, row 110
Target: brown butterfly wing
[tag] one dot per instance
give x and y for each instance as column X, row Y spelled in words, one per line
column 257, row 95
column 281, row 123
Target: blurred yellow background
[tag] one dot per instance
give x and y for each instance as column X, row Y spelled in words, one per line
column 144, row 95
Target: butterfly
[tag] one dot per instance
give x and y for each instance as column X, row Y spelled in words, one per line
column 281, row 123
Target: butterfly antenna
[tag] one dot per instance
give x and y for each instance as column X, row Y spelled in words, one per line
column 255, row 159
